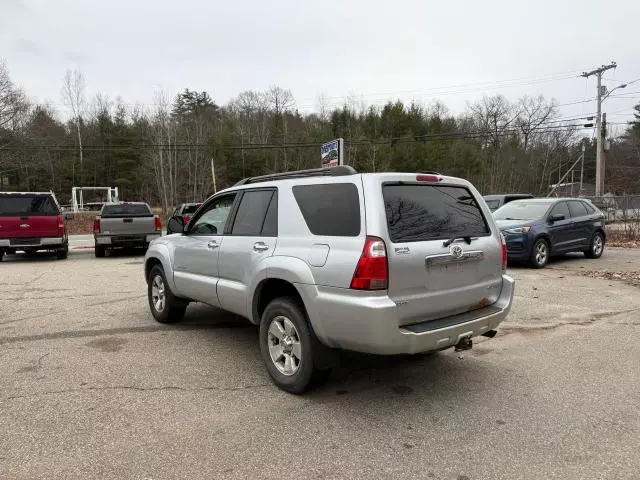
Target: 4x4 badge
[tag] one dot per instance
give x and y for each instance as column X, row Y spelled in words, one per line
column 455, row 251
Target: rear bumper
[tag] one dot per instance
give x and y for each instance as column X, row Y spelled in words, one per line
column 125, row 240
column 348, row 320
column 44, row 243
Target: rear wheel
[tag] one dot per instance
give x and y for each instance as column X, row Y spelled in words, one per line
column 165, row 307
column 62, row 253
column 100, row 251
column 540, row 253
column 288, row 346
column 596, row 247
column 1, row 255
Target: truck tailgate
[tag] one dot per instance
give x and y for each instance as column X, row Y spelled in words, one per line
column 29, row 227
column 127, row 225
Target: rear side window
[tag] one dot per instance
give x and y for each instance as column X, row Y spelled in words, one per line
column 252, row 212
column 589, row 208
column 126, row 209
column 270, row 225
column 423, row 212
column 331, row 209
column 578, row 209
column 22, row 205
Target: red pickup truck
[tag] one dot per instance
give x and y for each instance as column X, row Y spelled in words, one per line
column 32, row 221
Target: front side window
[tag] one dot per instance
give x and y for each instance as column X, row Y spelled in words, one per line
column 561, row 209
column 214, row 218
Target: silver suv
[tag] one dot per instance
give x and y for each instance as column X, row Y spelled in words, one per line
column 329, row 259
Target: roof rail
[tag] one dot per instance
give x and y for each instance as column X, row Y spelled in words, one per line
column 339, row 171
column 429, row 172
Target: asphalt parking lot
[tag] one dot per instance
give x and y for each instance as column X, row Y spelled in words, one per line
column 92, row 387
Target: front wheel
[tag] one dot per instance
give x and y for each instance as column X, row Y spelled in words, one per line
column 288, row 346
column 596, row 247
column 165, row 307
column 540, row 253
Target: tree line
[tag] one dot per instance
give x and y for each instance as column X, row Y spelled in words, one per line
column 171, row 152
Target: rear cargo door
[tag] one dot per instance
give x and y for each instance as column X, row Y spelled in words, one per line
column 28, row 216
column 444, row 258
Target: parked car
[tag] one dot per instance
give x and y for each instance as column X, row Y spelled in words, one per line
column 186, row 211
column 537, row 229
column 494, row 202
column 125, row 224
column 30, row 222
column 327, row 259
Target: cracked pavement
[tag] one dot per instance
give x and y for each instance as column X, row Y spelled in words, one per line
column 92, row 387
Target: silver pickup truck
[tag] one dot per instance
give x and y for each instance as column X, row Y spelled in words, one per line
column 125, row 224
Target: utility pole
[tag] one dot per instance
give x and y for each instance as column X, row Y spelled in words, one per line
column 599, row 149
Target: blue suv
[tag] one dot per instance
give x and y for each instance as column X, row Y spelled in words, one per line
column 535, row 229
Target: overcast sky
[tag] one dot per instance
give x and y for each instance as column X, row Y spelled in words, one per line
column 379, row 50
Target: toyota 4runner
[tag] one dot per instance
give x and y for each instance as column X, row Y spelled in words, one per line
column 328, row 259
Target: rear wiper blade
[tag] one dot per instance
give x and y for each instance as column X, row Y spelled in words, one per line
column 467, row 239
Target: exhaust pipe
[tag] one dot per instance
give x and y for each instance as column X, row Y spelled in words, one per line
column 465, row 343
column 490, row 333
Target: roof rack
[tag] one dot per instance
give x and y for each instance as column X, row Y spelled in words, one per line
column 429, row 172
column 339, row 171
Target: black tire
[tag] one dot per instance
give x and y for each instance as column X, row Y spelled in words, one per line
column 1, row 255
column 540, row 253
column 62, row 253
column 596, row 247
column 173, row 308
column 100, row 251
column 306, row 374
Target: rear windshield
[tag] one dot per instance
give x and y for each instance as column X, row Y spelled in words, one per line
column 521, row 210
column 20, row 205
column 126, row 209
column 427, row 212
column 188, row 209
column 331, row 209
column 493, row 204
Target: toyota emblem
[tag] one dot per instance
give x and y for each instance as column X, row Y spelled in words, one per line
column 455, row 251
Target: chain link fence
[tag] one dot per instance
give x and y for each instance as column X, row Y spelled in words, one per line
column 622, row 214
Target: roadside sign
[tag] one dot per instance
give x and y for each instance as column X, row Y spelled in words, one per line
column 332, row 153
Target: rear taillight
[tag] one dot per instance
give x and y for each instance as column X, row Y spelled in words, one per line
column 186, row 220
column 372, row 272
column 60, row 226
column 96, row 225
column 158, row 224
column 504, row 252
column 428, row 178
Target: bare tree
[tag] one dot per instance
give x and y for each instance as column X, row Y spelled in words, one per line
column 281, row 102
column 73, row 96
column 12, row 99
column 533, row 113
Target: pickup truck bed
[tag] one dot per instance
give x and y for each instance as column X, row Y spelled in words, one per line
column 125, row 225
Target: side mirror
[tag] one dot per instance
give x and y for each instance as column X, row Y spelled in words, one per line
column 556, row 218
column 175, row 225
column 68, row 216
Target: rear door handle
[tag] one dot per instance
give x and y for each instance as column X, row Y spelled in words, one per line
column 260, row 247
column 213, row 244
